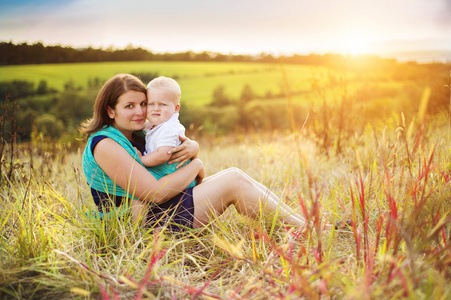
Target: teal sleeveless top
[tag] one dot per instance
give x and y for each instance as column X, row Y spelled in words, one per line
column 99, row 180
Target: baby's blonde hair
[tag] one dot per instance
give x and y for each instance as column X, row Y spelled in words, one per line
column 166, row 83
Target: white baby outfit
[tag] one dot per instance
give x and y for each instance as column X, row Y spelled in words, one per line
column 165, row 134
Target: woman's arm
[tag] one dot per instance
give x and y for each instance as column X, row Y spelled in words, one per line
column 188, row 149
column 126, row 172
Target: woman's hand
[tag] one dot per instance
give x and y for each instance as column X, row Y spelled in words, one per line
column 180, row 154
column 200, row 176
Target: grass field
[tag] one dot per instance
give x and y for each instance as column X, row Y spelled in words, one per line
column 393, row 185
column 197, row 79
column 390, row 175
column 58, row 74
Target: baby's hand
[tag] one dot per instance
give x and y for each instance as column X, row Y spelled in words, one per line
column 138, row 152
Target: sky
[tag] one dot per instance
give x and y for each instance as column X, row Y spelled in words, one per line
column 238, row 27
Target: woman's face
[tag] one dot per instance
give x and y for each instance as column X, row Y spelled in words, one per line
column 130, row 112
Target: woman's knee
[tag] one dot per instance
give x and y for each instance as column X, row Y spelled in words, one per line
column 241, row 180
column 238, row 173
column 232, row 181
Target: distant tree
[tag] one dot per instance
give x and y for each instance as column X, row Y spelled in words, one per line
column 16, row 89
column 204, row 56
column 50, row 124
column 146, row 77
column 264, row 57
column 247, row 94
column 222, row 57
column 95, row 82
column 220, row 99
column 42, row 88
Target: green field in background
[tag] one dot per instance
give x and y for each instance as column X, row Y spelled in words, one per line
column 197, row 79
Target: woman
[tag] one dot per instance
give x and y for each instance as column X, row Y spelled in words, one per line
column 115, row 172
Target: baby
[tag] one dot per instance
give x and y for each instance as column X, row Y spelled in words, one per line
column 163, row 127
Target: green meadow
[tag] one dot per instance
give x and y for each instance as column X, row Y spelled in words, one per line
column 197, row 79
column 344, row 94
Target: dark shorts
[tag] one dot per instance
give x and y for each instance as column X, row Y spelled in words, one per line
column 177, row 213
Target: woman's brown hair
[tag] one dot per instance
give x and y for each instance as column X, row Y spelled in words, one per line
column 107, row 96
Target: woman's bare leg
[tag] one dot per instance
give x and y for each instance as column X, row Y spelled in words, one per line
column 234, row 187
column 258, row 184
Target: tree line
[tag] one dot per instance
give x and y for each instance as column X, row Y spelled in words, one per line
column 38, row 53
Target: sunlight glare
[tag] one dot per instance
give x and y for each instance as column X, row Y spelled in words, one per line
column 355, row 42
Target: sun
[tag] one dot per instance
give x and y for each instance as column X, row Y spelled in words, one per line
column 355, row 42
column 355, row 46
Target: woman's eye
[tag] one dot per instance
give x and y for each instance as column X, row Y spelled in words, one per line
column 143, row 103
column 129, row 106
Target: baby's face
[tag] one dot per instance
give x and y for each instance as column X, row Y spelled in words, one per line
column 161, row 105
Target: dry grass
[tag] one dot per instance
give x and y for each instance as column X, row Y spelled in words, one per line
column 394, row 187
